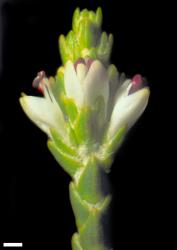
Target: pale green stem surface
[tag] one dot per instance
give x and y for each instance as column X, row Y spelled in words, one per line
column 90, row 200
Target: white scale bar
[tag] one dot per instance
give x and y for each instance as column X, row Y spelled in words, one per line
column 5, row 244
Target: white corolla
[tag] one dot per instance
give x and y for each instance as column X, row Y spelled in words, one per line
column 84, row 82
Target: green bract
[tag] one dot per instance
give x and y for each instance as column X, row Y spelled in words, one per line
column 86, row 111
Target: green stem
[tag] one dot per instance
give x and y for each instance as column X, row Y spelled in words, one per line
column 90, row 200
column 89, row 194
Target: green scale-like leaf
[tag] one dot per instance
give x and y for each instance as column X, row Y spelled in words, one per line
column 64, row 50
column 61, row 145
column 90, row 184
column 82, row 126
column 110, row 147
column 104, row 48
column 91, row 234
column 70, row 164
column 70, row 108
column 114, row 143
column 70, row 40
column 75, row 242
column 87, row 36
column 80, row 207
column 75, row 19
column 95, row 239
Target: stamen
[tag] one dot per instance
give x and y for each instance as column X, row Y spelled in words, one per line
column 41, row 74
column 37, row 80
column 88, row 61
column 48, row 92
column 136, row 84
column 80, row 60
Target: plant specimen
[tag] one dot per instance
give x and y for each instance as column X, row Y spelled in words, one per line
column 86, row 111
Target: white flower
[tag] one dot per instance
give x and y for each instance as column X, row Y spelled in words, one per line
column 130, row 101
column 84, row 82
column 44, row 111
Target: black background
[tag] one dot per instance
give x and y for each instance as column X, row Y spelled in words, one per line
column 34, row 189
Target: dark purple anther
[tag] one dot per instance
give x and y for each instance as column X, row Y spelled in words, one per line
column 86, row 61
column 38, row 79
column 89, row 61
column 41, row 74
column 136, row 84
column 80, row 60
